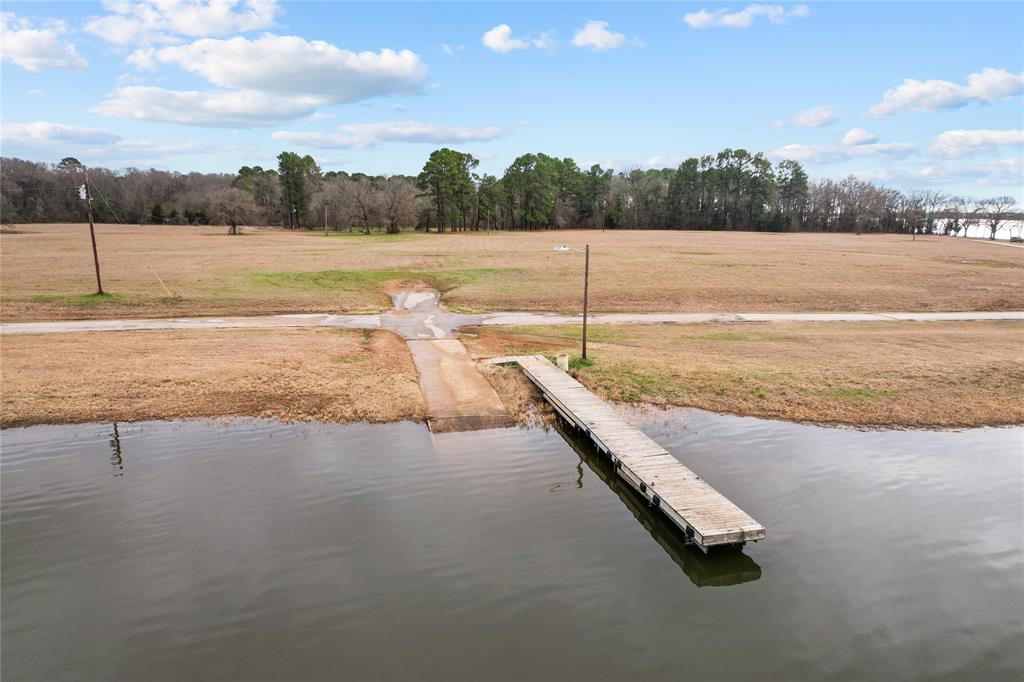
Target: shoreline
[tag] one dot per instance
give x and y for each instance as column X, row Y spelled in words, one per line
column 538, row 421
column 886, row 375
column 521, row 398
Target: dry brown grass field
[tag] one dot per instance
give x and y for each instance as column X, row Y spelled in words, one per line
column 323, row 375
column 877, row 374
column 46, row 272
column 871, row 374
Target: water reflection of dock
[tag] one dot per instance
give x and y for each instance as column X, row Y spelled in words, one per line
column 729, row 566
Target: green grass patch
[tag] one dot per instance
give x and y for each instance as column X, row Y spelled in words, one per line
column 596, row 334
column 376, row 237
column 856, row 393
column 368, row 280
column 640, row 385
column 724, row 336
column 630, row 383
column 84, row 300
column 576, row 362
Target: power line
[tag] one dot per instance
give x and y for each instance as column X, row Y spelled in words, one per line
column 134, row 243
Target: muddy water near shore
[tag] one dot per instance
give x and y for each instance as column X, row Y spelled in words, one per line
column 260, row 550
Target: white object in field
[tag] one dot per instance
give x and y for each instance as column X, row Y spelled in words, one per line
column 563, row 363
column 562, row 247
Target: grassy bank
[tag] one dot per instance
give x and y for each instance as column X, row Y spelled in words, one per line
column 46, row 272
column 871, row 374
column 323, row 375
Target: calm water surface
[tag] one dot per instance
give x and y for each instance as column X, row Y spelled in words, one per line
column 257, row 550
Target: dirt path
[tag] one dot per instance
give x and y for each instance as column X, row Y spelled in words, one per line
column 999, row 242
column 425, row 319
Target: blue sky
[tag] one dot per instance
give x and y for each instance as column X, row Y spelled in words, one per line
column 909, row 95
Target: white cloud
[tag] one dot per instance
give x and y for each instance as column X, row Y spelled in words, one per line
column 1008, row 172
column 290, row 65
column 596, row 36
column 164, row 21
column 881, row 175
column 913, row 95
column 858, row 136
column 59, row 139
column 744, row 18
column 815, row 117
column 33, row 93
column 961, row 143
column 365, row 135
column 37, row 47
column 810, row 153
column 46, row 133
column 212, row 109
column 545, row 41
column 269, row 79
column 318, row 140
column 145, row 149
column 660, row 161
column 500, row 40
column 142, row 59
column 447, row 49
column 412, row 131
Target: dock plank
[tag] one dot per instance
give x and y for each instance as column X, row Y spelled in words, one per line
column 701, row 511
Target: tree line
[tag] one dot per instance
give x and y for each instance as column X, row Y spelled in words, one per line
column 731, row 190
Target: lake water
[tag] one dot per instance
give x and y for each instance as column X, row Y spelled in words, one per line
column 1007, row 229
column 259, row 550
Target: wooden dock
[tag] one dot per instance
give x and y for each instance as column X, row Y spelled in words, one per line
column 700, row 511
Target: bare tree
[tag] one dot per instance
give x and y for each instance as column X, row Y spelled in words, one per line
column 932, row 201
column 399, row 202
column 366, row 201
column 996, row 210
column 915, row 211
column 233, row 207
column 959, row 215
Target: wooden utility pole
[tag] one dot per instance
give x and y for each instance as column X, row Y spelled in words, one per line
column 586, row 282
column 92, row 235
column 325, row 220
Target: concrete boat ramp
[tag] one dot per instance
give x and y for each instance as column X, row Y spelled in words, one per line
column 457, row 396
column 701, row 512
